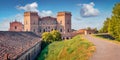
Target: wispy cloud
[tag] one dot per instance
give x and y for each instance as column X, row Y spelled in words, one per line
column 88, row 10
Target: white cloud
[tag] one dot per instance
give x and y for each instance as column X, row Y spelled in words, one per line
column 4, row 24
column 29, row 7
column 88, row 10
column 33, row 7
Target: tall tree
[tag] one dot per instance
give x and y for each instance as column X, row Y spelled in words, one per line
column 112, row 24
column 106, row 26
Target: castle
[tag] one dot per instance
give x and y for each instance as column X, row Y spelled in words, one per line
column 21, row 41
column 34, row 23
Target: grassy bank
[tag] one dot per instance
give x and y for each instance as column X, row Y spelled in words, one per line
column 73, row 49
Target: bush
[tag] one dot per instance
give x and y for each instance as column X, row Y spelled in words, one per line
column 56, row 35
column 49, row 37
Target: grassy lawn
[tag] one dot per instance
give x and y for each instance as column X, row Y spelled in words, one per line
column 106, row 37
column 73, row 49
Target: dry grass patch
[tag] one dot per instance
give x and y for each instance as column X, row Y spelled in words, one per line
column 73, row 49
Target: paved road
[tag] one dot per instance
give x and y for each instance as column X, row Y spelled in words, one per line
column 104, row 50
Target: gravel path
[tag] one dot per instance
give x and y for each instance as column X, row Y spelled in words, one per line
column 104, row 50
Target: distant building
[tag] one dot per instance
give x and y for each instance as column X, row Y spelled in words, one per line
column 34, row 23
column 16, row 26
column 39, row 25
column 84, row 31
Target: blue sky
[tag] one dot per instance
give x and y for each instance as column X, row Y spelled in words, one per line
column 94, row 12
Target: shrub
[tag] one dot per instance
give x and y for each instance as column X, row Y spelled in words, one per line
column 49, row 37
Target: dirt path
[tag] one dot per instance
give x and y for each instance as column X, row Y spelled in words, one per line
column 104, row 50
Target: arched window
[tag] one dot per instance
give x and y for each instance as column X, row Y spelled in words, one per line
column 15, row 27
column 40, row 30
column 40, row 22
column 68, row 30
column 67, row 38
column 55, row 28
column 33, row 30
column 52, row 29
column 34, row 22
column 43, row 30
column 68, row 22
column 60, row 30
column 48, row 27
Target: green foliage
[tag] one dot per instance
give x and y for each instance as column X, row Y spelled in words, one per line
column 112, row 24
column 88, row 28
column 51, row 36
column 56, row 35
column 73, row 49
column 116, row 10
column 47, row 37
column 105, row 27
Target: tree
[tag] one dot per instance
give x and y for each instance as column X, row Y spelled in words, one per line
column 56, row 35
column 112, row 24
column 88, row 28
column 105, row 27
column 51, row 36
column 114, row 28
column 47, row 37
column 116, row 10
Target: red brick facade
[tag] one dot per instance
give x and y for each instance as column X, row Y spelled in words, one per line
column 16, row 26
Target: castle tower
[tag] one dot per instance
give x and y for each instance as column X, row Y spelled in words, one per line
column 64, row 22
column 31, row 21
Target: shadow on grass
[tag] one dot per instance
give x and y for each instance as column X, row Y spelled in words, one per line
column 106, row 36
column 44, row 51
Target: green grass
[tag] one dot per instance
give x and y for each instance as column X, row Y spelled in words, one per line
column 73, row 49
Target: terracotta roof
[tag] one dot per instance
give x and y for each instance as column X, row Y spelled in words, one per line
column 16, row 43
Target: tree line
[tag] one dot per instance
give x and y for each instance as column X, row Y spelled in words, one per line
column 112, row 24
